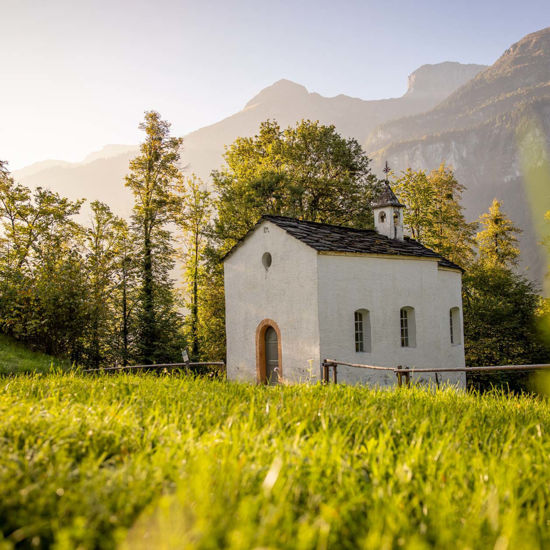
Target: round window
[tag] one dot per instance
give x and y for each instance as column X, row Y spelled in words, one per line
column 266, row 260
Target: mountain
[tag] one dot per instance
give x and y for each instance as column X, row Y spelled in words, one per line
column 489, row 129
column 101, row 175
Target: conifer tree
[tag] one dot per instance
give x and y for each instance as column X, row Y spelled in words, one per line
column 497, row 241
column 153, row 175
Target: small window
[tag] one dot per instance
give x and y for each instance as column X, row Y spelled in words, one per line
column 454, row 326
column 408, row 328
column 362, row 331
column 266, row 260
column 382, row 217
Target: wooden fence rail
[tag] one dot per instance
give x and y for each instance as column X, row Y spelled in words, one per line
column 158, row 366
column 406, row 372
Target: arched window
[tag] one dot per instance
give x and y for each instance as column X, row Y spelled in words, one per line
column 362, row 330
column 382, row 217
column 454, row 326
column 408, row 327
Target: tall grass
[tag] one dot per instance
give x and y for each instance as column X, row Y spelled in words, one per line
column 153, row 462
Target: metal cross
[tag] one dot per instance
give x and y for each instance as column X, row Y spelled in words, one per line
column 387, row 170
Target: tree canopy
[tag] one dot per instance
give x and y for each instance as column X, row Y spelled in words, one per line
column 308, row 171
column 497, row 242
column 434, row 215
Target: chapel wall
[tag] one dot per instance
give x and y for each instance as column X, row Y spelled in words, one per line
column 383, row 285
column 285, row 293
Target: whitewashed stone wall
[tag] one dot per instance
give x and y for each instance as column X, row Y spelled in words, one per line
column 383, row 285
column 285, row 293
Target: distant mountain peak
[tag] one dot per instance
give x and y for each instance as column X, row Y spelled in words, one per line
column 282, row 90
column 441, row 78
column 530, row 48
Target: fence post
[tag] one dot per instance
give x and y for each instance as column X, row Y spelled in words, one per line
column 325, row 372
column 408, row 377
column 399, row 376
column 334, row 374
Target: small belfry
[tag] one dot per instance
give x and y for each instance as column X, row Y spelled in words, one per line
column 388, row 211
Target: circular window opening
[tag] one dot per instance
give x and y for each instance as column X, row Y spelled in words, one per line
column 266, row 260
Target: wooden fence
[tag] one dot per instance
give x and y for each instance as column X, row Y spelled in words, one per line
column 405, row 372
column 158, row 366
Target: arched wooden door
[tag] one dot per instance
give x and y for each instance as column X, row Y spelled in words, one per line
column 268, row 353
column 271, row 356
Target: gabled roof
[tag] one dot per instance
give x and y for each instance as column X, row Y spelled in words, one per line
column 335, row 238
column 386, row 198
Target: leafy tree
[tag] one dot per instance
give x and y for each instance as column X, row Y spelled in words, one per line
column 153, row 175
column 308, row 172
column 105, row 241
column 43, row 287
column 193, row 217
column 417, row 193
column 500, row 317
column 497, row 241
column 434, row 215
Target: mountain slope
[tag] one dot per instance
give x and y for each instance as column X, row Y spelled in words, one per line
column 101, row 175
column 479, row 130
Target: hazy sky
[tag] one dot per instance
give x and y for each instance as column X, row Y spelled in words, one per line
column 78, row 74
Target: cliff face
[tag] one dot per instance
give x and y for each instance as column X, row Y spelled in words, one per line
column 440, row 80
column 486, row 131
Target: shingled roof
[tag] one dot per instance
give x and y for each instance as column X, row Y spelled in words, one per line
column 335, row 238
column 386, row 198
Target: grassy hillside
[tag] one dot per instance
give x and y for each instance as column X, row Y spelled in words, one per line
column 16, row 358
column 166, row 462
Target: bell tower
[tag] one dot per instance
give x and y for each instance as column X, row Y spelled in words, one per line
column 388, row 211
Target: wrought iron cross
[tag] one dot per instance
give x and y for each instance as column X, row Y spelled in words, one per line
column 387, row 170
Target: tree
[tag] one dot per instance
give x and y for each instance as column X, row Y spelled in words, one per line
column 497, row 241
column 501, row 308
column 417, row 193
column 126, row 292
column 153, row 175
column 43, row 291
column 193, row 216
column 308, row 171
column 105, row 249
column 501, row 325
column 434, row 215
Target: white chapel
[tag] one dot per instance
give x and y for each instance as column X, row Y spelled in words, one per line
column 298, row 292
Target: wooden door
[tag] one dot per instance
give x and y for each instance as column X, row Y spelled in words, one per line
column 271, row 356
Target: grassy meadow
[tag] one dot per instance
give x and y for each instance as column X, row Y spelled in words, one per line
column 15, row 358
column 139, row 461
